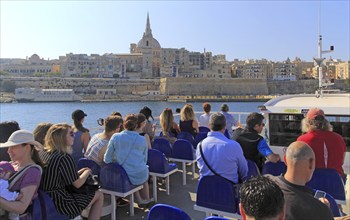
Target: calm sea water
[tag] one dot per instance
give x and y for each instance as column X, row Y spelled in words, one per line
column 28, row 115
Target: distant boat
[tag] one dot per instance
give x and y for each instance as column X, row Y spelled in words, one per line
column 45, row 95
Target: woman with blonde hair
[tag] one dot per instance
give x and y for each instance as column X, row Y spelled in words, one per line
column 188, row 121
column 169, row 127
column 60, row 173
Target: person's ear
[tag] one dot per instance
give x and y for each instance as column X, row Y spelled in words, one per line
column 241, row 210
column 311, row 163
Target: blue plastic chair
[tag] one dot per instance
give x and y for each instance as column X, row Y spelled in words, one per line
column 275, row 169
column 253, row 169
column 159, row 167
column 36, row 209
column 217, row 196
column 167, row 212
column 183, row 152
column 215, row 218
column 84, row 162
column 200, row 136
column 227, row 134
column 48, row 208
column 203, row 129
column 328, row 180
column 186, row 136
column 163, row 145
column 115, row 182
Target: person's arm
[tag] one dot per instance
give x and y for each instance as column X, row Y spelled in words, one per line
column 195, row 125
column 176, row 127
column 84, row 173
column 149, row 146
column 108, row 157
column 19, row 206
column 102, row 152
column 242, row 164
column 85, row 138
column 265, row 150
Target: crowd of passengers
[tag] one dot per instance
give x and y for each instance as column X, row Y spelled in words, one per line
column 47, row 158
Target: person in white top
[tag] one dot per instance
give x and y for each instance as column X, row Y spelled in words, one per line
column 204, row 118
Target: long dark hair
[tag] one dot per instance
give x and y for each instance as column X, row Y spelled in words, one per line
column 79, row 126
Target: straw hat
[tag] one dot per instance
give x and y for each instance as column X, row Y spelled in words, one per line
column 22, row 137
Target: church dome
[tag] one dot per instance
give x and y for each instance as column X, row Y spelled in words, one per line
column 148, row 42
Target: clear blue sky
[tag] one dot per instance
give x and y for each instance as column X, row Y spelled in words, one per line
column 273, row 30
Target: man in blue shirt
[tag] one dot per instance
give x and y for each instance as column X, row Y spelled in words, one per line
column 254, row 146
column 223, row 155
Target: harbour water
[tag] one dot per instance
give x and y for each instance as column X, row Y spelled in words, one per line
column 28, row 115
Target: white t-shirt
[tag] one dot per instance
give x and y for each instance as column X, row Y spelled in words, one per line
column 204, row 120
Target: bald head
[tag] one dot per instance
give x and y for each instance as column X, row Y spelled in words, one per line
column 300, row 159
column 298, row 151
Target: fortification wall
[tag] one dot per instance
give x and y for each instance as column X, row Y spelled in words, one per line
column 199, row 86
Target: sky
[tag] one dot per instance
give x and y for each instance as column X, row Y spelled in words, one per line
column 274, row 30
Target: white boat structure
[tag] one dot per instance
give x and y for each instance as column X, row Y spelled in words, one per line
column 45, row 95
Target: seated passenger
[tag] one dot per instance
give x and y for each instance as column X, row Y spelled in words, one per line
column 23, row 150
column 261, row 198
column 81, row 135
column 60, row 172
column 223, row 155
column 40, row 132
column 204, row 118
column 6, row 129
column 188, row 121
column 254, row 146
column 149, row 127
column 130, row 151
column 300, row 201
column 329, row 147
column 141, row 124
column 230, row 120
column 169, row 128
column 98, row 144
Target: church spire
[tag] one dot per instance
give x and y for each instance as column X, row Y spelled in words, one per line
column 148, row 31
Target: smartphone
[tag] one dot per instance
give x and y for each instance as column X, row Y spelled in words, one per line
column 319, row 194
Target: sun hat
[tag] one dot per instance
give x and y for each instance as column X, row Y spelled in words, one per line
column 78, row 114
column 147, row 112
column 22, row 137
column 6, row 167
column 314, row 112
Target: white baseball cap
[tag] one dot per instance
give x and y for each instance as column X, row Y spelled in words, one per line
column 22, row 137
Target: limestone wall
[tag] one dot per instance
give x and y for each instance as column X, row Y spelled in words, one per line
column 198, row 86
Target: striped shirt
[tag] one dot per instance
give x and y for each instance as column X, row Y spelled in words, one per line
column 94, row 147
column 59, row 172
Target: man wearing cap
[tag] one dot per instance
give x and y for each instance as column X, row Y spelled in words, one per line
column 230, row 120
column 329, row 147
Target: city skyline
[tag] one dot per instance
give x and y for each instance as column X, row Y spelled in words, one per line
column 274, row 30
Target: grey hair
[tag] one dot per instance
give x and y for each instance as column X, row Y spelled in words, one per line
column 312, row 124
column 304, row 152
column 217, row 122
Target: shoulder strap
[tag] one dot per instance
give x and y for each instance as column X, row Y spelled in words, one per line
column 19, row 174
column 210, row 168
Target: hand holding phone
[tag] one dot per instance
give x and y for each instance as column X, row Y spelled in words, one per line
column 319, row 194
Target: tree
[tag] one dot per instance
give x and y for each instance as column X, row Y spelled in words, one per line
column 8, row 86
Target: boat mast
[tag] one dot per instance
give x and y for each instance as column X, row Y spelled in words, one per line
column 319, row 60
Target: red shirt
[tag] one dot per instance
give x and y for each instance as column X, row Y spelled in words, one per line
column 329, row 148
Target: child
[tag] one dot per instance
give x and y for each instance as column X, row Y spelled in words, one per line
column 6, row 170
